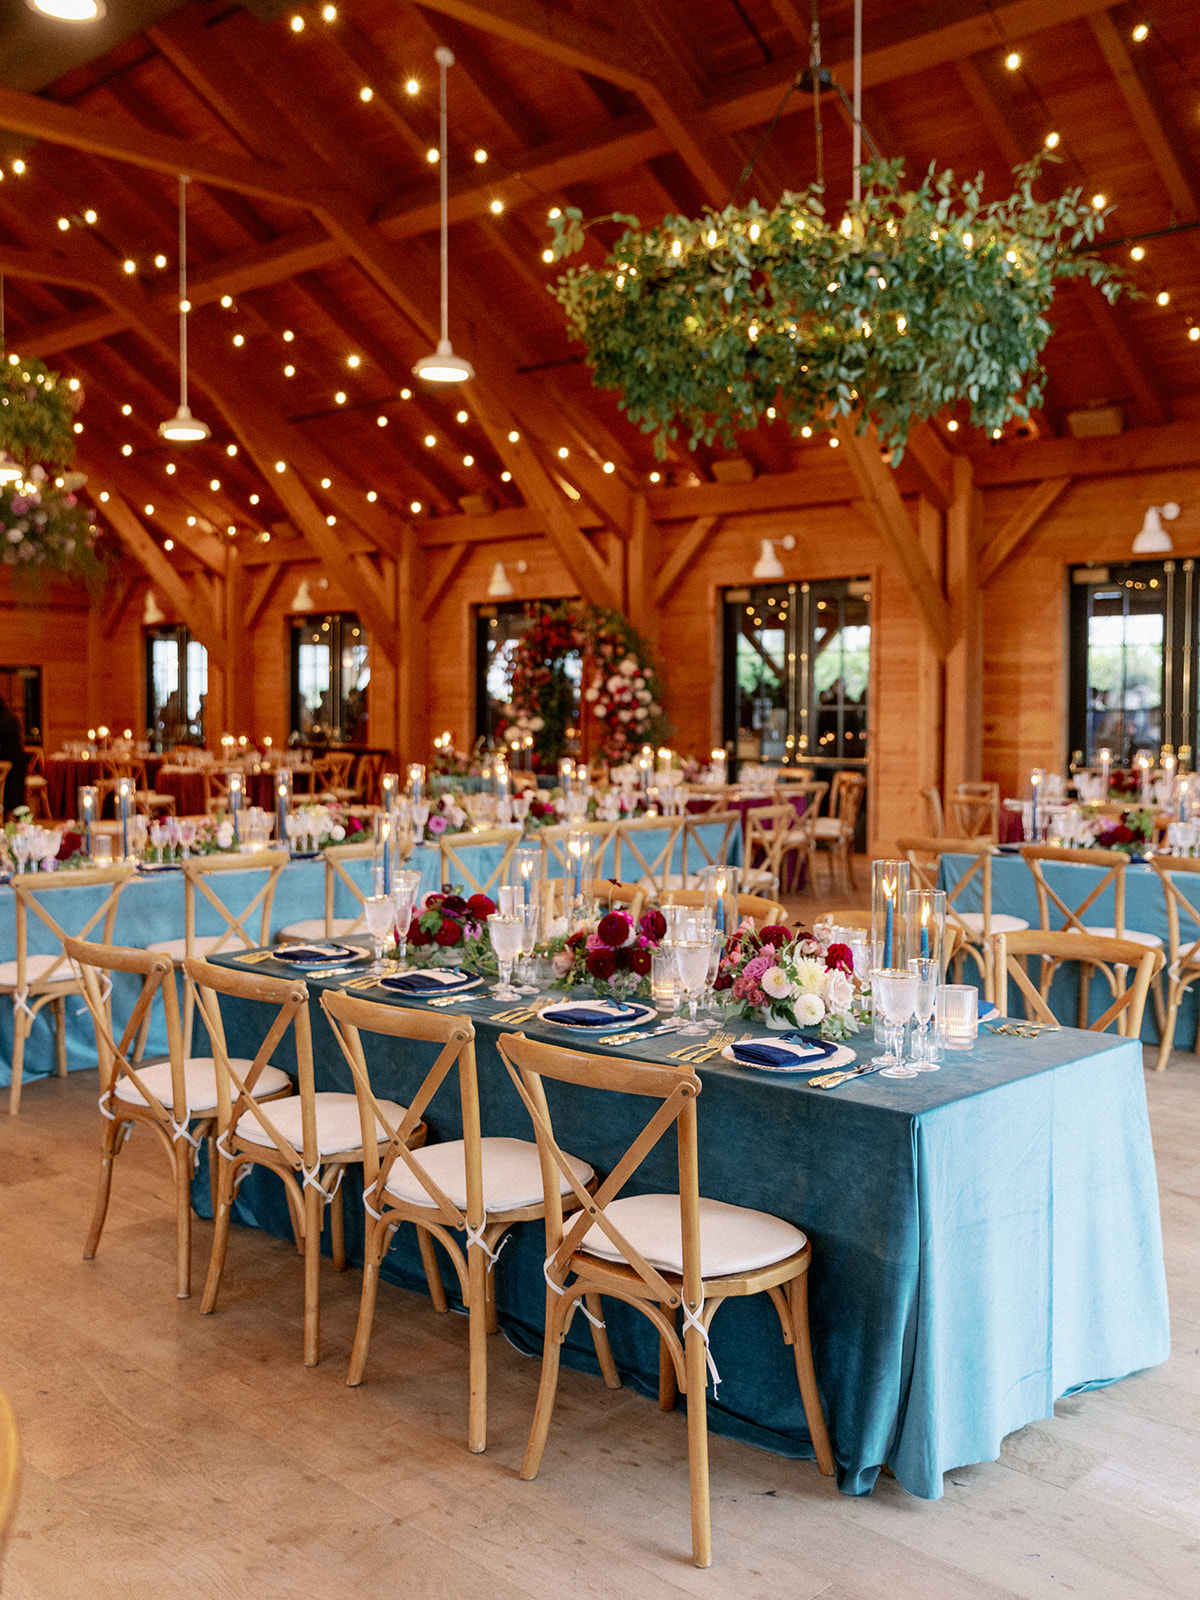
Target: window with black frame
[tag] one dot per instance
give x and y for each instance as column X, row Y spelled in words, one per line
column 797, row 673
column 21, row 691
column 331, row 679
column 176, row 687
column 1132, row 659
column 498, row 629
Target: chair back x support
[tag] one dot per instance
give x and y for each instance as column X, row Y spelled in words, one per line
column 197, row 873
column 761, row 911
column 643, row 855
column 697, row 853
column 455, row 870
column 469, row 1222
column 975, row 810
column 924, row 857
column 767, row 830
column 34, row 981
column 607, row 1248
column 555, row 855
column 1183, row 940
column 10, row 1474
column 1094, row 951
column 336, row 856
column 288, row 1136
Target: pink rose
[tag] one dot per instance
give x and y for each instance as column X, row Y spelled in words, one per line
column 562, row 963
column 756, row 966
column 437, row 824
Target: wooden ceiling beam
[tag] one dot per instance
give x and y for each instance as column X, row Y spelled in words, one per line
column 877, row 485
column 930, row 464
column 685, row 552
column 1176, row 444
column 440, row 578
column 193, row 607
column 118, row 140
column 1018, row 526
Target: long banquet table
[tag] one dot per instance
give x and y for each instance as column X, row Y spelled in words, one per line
column 986, row 1239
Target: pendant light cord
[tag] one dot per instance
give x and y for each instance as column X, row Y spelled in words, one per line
column 183, row 350
column 445, row 58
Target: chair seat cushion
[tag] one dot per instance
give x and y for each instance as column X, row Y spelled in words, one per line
column 1001, row 922
column 1135, row 935
column 732, row 1238
column 36, row 968
column 199, row 1082
column 827, row 827
column 338, row 1127
column 512, row 1176
column 314, row 928
column 202, row 945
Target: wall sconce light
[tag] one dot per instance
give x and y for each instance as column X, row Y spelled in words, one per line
column 500, row 587
column 1153, row 539
column 768, row 564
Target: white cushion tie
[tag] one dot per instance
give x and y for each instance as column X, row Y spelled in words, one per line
column 596, row 1322
column 691, row 1319
column 312, row 1180
column 475, row 1236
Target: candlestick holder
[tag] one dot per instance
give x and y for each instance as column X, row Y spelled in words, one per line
column 283, row 805
column 416, row 781
column 389, row 790
column 89, row 813
column 124, row 814
column 234, row 798
column 925, row 915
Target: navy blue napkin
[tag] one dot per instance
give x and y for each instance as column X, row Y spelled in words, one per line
column 422, row 983
column 758, row 1053
column 585, row 1017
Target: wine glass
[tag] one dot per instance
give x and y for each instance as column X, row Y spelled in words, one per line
column 507, row 936
column 693, row 957
column 926, row 969
column 896, row 993
column 380, row 912
column 712, row 1019
column 187, row 836
column 532, row 918
column 406, row 886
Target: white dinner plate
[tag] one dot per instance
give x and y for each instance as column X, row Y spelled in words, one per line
column 832, row 1057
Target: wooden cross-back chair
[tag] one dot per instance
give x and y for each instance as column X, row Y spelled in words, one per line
column 196, row 889
column 307, row 1139
column 800, row 842
column 554, row 843
column 37, row 796
column 366, row 777
column 10, row 1473
column 328, row 926
column 935, row 815
column 176, row 1098
column 606, row 892
column 761, row 911
column 1183, row 943
column 1111, row 865
column 637, row 860
column 331, row 775
column 1094, row 952
column 663, row 1254
column 465, row 1193
column 975, row 810
column 455, row 869
column 836, row 831
column 767, row 833
column 975, row 928
column 33, row 981
column 697, row 854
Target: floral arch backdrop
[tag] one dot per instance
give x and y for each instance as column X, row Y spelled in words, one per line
column 621, row 696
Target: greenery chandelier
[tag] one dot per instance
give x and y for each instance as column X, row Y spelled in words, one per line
column 914, row 301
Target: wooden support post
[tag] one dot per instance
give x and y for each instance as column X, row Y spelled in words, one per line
column 639, row 592
column 412, row 708
column 928, row 733
column 962, row 742
column 239, row 676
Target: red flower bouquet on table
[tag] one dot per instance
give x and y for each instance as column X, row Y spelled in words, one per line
column 610, row 951
column 790, row 980
column 451, row 931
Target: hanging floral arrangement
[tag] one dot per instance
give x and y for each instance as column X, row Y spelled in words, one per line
column 577, row 662
column 44, row 527
column 914, row 300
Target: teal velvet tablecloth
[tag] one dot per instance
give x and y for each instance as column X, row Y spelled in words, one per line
column 985, row 1239
column 1014, row 893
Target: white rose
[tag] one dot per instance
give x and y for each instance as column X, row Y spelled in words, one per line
column 337, row 833
column 225, row 835
column 809, row 1009
column 536, row 724
column 629, row 666
column 614, row 684
column 591, row 694
column 601, row 711
column 839, row 991
column 623, row 716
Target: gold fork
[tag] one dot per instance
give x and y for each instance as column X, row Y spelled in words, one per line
column 702, row 1048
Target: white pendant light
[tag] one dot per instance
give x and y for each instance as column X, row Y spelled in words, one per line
column 1152, row 538
column 768, row 564
column 444, row 366
column 69, row 10
column 500, row 586
column 183, row 427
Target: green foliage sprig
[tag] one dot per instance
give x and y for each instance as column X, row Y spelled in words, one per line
column 37, row 413
column 916, row 300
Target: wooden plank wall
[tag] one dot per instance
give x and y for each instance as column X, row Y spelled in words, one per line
column 93, row 676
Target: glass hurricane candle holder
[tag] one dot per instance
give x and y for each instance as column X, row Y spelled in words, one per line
column 925, row 911
column 889, row 887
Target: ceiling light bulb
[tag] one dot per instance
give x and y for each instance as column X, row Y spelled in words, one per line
column 331, row 521
column 64, row 223
column 288, row 336
column 170, row 469
column 183, row 427
column 406, row 394
column 1012, row 60
column 442, row 367
column 340, row 397
column 126, row 410
column 430, row 441
column 126, row 449
column 1163, row 297
column 497, row 206
column 1137, row 253
column 130, row 266
column 1052, row 141
column 431, row 156
column 506, row 477
column 655, row 477
column 610, row 466
column 168, row 544
column 366, row 94
column 547, row 256
column 281, row 466
column 1099, row 201
column 354, row 361
column 326, row 483
column 214, row 484
column 952, row 425
column 297, row 24
column 253, row 499
column 468, row 461
column 481, row 156
column 1194, row 334
column 149, row 511
column 460, row 416
column 90, row 218
column 412, row 86
column 330, row 13
column 239, row 340
column 18, row 167
column 415, row 508
column 160, row 261
column 513, row 436
column 563, row 452
column 289, row 372
column 381, row 422
column 1140, row 32
column 70, row 10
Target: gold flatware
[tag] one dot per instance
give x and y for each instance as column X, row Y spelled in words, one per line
column 642, row 1033
column 1023, row 1030
column 521, row 1014
column 703, row 1049
column 257, row 955
column 718, row 1043
column 831, row 1080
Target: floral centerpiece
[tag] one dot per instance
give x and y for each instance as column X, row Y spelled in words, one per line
column 608, row 951
column 25, row 846
column 1130, row 835
column 327, row 822
column 448, row 930
column 789, row 980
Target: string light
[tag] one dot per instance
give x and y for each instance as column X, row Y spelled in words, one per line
column 1137, row 253
column 1099, row 201
column 656, row 477
column 253, row 499
column 226, row 301
column 366, row 94
column 381, row 422
column 496, row 207
column 1012, row 60
column 239, row 340
column 289, row 371
column 1194, row 334
column 297, row 24
column 468, row 461
column 168, row 544
column 432, row 157
column 214, row 484
column 506, row 477
column 354, row 361
column 1163, row 298
column 127, row 410
column 415, row 508
column 288, row 336
column 340, row 397
column 326, row 483
column 412, row 86
column 129, row 266
column 430, row 441
column 90, row 218
column 1052, row 141
column 160, row 261
column 460, row 416
column 331, row 521
column 64, row 223
column 513, row 436
column 833, row 443
column 563, row 452
column 952, row 425
column 330, row 13
column 481, row 156
column 281, row 466
column 170, row 469
column 149, row 510
column 372, row 496
column 547, row 256
column 18, row 167
column 1140, row 32
column 406, row 394
column 104, row 496
column 78, row 428
column 806, row 432
column 126, row 449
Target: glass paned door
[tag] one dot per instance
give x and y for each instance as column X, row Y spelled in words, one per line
column 176, row 687
column 331, row 678
column 1133, row 646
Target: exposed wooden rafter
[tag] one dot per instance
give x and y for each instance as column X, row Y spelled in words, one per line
column 1019, row 525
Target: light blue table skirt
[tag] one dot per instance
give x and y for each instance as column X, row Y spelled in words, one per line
column 1014, row 892
column 985, row 1238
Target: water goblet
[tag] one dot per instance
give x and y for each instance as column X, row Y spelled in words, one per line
column 187, row 836
column 926, row 969
column 531, row 916
column 380, row 913
column 896, row 993
column 712, row 1019
column 692, row 956
column 507, row 935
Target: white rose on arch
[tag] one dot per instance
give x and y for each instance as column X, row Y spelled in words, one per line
column 614, row 684
column 536, row 724
column 591, row 694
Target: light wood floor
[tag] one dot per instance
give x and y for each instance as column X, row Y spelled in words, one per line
column 174, row 1457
